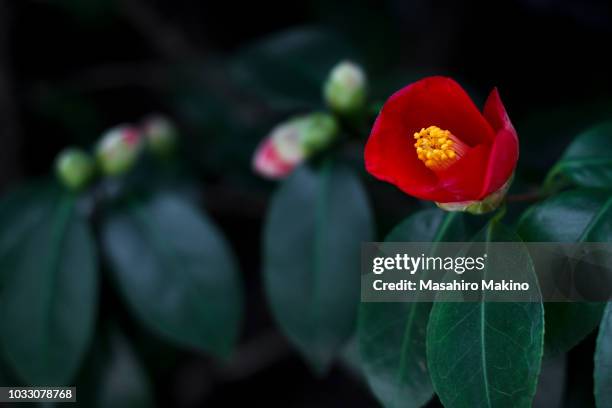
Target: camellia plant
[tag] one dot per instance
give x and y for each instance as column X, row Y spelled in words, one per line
column 432, row 143
column 116, row 247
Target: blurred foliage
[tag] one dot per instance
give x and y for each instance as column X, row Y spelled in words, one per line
column 49, row 284
column 161, row 248
column 312, row 237
column 288, row 69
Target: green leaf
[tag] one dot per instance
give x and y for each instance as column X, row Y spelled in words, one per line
column 176, row 271
column 567, row 324
column 313, row 234
column 582, row 215
column 392, row 335
column 288, row 69
column 603, row 361
column 587, row 162
column 486, row 354
column 48, row 290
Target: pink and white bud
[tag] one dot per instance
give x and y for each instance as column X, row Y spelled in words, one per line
column 279, row 153
column 292, row 142
column 118, row 149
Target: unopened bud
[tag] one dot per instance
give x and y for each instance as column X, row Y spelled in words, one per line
column 318, row 131
column 345, row 88
column 160, row 134
column 74, row 168
column 118, row 149
column 290, row 143
column 280, row 152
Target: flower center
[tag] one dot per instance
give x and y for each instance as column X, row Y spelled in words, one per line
column 438, row 148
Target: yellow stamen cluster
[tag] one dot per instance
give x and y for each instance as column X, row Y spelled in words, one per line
column 438, row 148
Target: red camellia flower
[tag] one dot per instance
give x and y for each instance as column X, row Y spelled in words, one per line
column 432, row 142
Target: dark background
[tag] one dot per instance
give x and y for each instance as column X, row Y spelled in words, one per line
column 70, row 69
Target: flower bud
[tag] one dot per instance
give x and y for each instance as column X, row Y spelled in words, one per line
column 118, row 149
column 160, row 134
column 280, row 152
column 74, row 168
column 345, row 88
column 319, row 130
column 290, row 143
column 269, row 163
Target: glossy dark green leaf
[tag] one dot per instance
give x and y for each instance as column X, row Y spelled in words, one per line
column 488, row 354
column 313, row 234
column 176, row 271
column 580, row 215
column 568, row 323
column 288, row 69
column 392, row 335
column 603, row 361
column 48, row 290
column 587, row 161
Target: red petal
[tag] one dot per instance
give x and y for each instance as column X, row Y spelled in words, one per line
column 495, row 112
column 440, row 101
column 505, row 150
column 390, row 156
column 464, row 179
